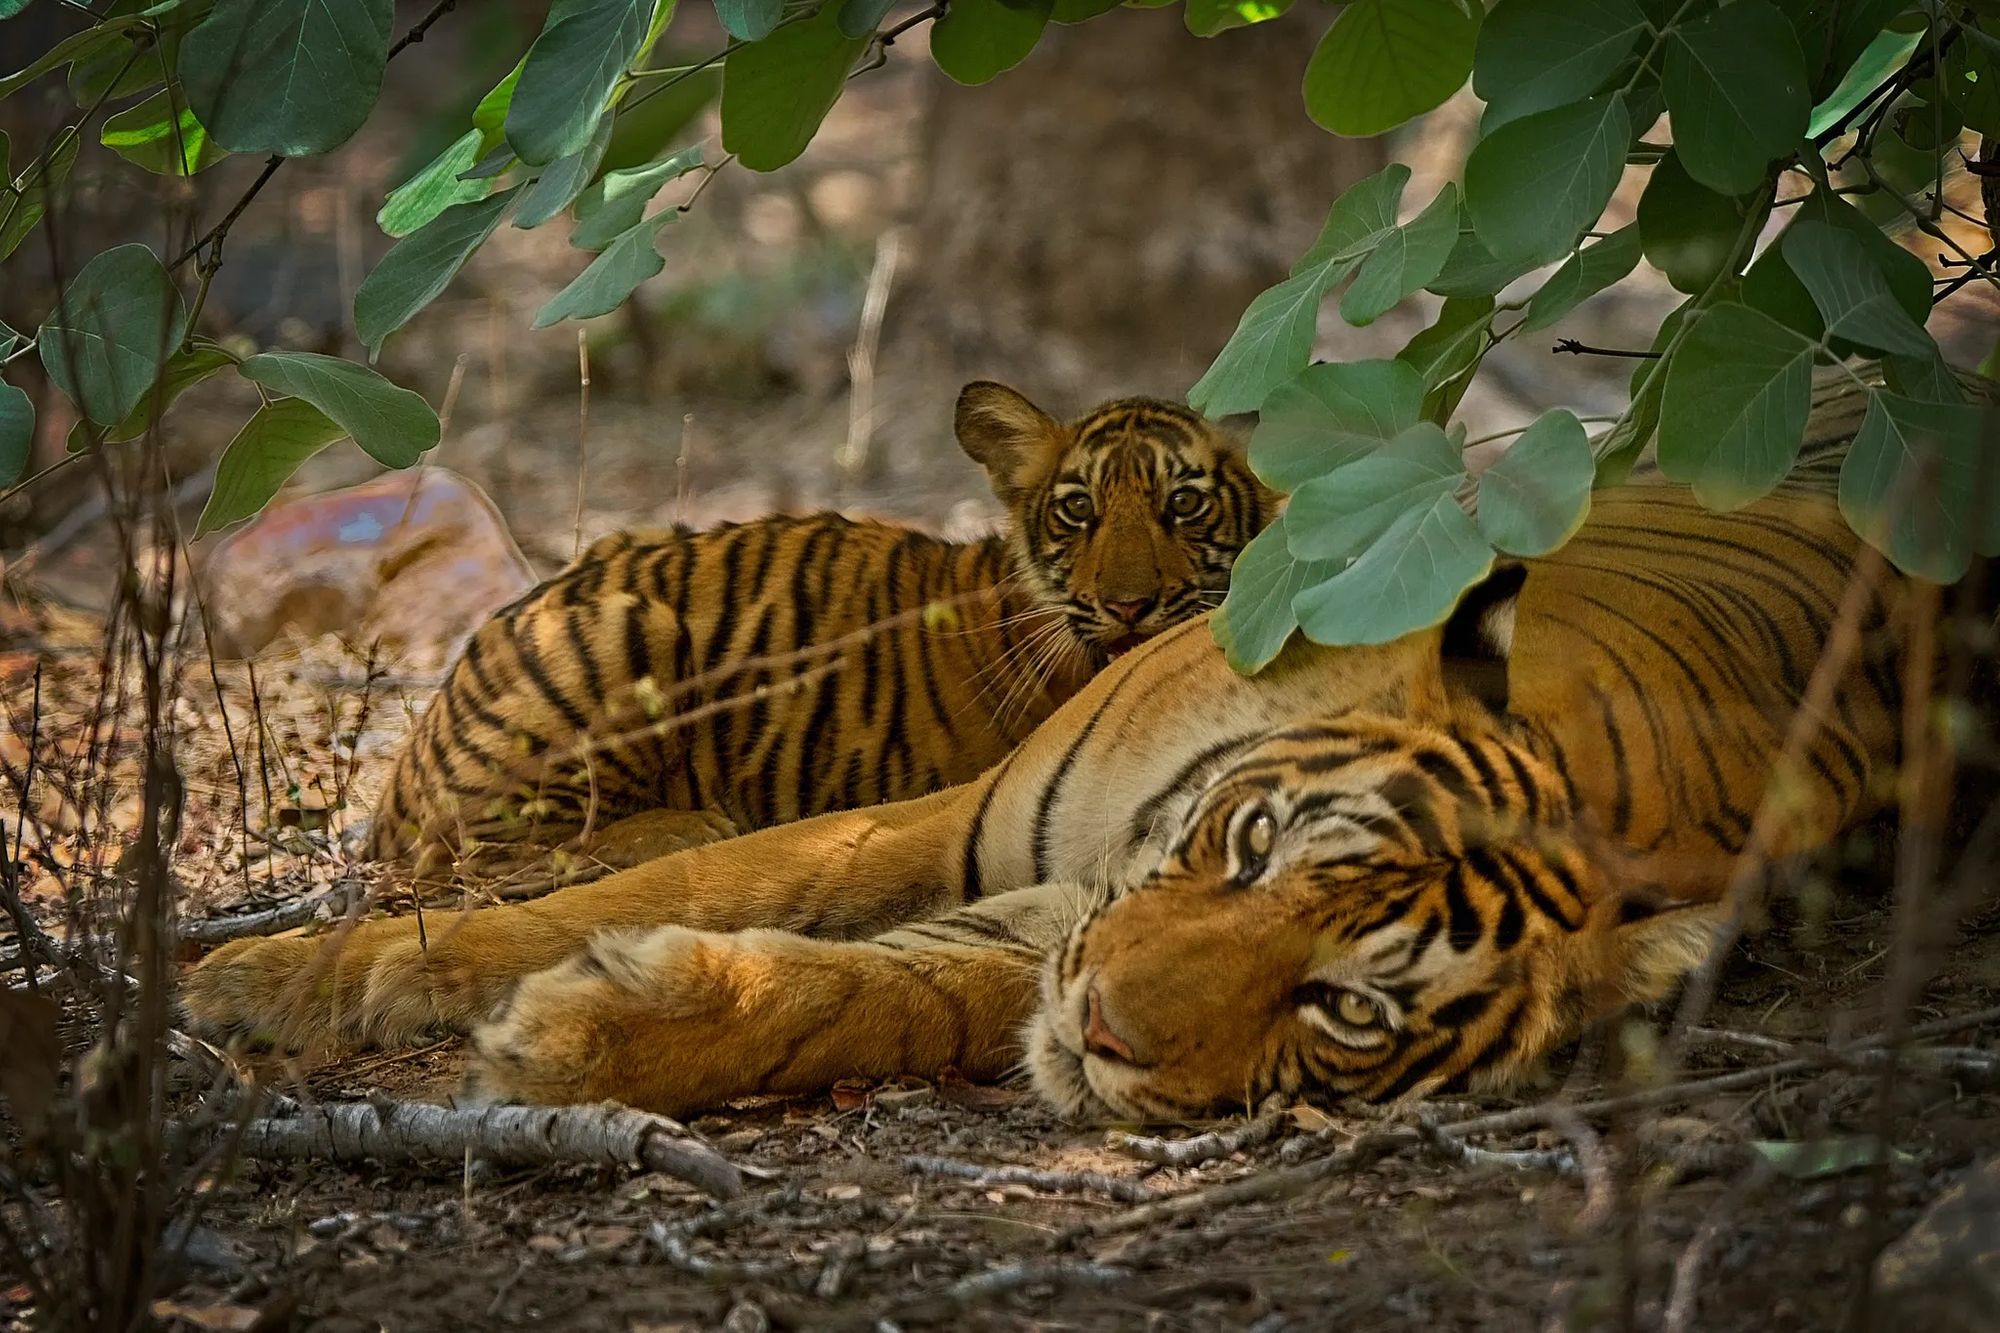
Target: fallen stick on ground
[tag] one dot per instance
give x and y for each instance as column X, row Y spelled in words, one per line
column 1200, row 1148
column 269, row 921
column 1448, row 1147
column 605, row 1134
column 1056, row 1182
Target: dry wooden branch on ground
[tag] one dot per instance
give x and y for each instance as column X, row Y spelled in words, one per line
column 1056, row 1182
column 269, row 921
column 606, row 1134
column 1200, row 1148
column 1449, row 1147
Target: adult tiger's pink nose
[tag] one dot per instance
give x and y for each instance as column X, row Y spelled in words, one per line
column 1131, row 613
column 1098, row 1038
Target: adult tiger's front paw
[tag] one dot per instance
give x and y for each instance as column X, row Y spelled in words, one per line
column 655, row 1020
column 379, row 982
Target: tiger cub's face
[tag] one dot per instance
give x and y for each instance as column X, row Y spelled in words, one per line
column 1361, row 908
column 1125, row 520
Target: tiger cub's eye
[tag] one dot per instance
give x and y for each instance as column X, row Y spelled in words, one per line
column 1356, row 1010
column 1075, row 507
column 1187, row 502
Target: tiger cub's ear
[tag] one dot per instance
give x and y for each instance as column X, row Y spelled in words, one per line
column 1479, row 637
column 1005, row 434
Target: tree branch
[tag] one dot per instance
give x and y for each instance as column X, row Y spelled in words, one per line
column 606, row 1134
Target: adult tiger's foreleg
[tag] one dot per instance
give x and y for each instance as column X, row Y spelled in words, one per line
column 850, row 875
column 675, row 1020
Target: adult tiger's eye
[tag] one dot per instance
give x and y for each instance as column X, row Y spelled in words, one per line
column 1186, row 502
column 1074, row 507
column 1254, row 843
column 1356, row 1010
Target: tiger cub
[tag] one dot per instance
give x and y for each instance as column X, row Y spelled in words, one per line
column 673, row 687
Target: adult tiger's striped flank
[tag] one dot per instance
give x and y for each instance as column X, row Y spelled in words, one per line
column 672, row 687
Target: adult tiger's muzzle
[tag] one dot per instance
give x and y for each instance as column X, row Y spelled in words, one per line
column 1166, row 1003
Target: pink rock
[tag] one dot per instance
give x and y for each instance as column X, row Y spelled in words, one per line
column 411, row 562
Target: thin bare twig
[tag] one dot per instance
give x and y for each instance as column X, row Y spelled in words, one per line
column 1055, row 1182
column 1201, row 1148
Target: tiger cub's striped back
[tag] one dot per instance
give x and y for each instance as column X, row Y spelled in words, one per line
column 694, row 684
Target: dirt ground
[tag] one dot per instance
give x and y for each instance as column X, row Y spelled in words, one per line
column 842, row 1228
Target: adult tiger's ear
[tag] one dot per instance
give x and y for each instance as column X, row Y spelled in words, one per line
column 1479, row 636
column 1657, row 941
column 1005, row 434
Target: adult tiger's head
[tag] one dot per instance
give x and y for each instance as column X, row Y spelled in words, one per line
column 1126, row 519
column 1365, row 907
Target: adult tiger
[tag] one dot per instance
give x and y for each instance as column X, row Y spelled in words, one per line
column 674, row 687
column 1525, row 846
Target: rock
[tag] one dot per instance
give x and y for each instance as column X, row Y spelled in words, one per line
column 411, row 561
column 1943, row 1274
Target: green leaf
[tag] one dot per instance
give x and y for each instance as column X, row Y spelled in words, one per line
column 1451, row 346
column 1690, row 231
column 1471, row 269
column 776, row 92
column 17, row 433
column 1583, row 275
column 1273, row 340
column 421, row 265
column 1912, row 482
column 752, row 20
column 10, row 341
column 163, row 136
column 644, row 127
column 613, row 206
column 1536, row 184
column 116, row 325
column 584, row 48
column 1620, row 447
column 273, row 443
column 76, row 46
column 1534, row 497
column 1406, row 259
column 1332, row 414
column 1256, row 618
column 24, row 198
column 1973, row 77
column 293, row 77
column 1536, row 55
column 1736, row 87
column 611, row 277
column 1823, row 1157
column 9, row 8
column 1772, row 287
column 860, row 18
column 1386, row 61
column 1360, row 220
column 1410, row 579
column 1205, row 18
column 1835, row 39
column 436, row 187
column 1852, row 296
column 1270, row 345
column 1336, row 516
column 978, row 39
column 1927, row 378
column 562, row 181
column 394, row 425
column 1736, row 400
column 187, row 369
column 1887, row 52
column 490, row 116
